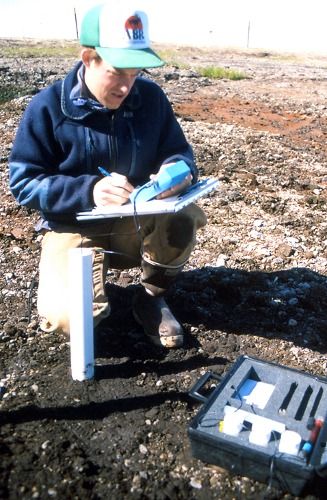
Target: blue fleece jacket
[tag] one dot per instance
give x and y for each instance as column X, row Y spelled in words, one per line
column 64, row 137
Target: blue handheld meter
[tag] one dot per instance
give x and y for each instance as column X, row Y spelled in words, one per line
column 169, row 177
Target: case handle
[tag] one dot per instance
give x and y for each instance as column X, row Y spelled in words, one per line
column 195, row 391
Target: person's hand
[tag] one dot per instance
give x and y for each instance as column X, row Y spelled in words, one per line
column 175, row 190
column 112, row 190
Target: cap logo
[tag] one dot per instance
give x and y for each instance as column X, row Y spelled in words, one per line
column 134, row 28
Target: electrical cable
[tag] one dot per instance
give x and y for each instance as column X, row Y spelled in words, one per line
column 137, row 232
column 138, row 228
column 130, row 233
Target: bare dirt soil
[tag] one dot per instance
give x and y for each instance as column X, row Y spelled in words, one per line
column 255, row 285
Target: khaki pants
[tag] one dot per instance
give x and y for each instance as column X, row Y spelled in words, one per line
column 162, row 246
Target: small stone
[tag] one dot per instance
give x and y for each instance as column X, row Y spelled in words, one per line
column 292, row 241
column 221, row 260
column 143, row 449
column 16, row 249
column 136, row 481
column 195, row 484
column 284, row 250
column 151, row 413
column 309, row 254
column 254, row 234
column 10, row 328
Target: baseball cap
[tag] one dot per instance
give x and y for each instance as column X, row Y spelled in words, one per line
column 120, row 35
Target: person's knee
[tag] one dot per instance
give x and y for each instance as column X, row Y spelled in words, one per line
column 182, row 226
column 52, row 307
column 59, row 321
column 180, row 231
column 54, row 324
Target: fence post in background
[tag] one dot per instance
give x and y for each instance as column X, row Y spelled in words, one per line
column 76, row 26
column 81, row 313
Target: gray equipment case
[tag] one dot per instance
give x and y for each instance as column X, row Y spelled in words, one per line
column 288, row 398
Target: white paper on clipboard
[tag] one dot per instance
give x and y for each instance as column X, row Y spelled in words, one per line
column 168, row 205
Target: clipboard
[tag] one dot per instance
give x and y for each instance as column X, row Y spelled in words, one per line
column 168, row 205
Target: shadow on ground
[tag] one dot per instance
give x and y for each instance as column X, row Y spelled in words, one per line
column 289, row 304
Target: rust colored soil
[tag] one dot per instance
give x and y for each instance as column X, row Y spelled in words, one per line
column 300, row 129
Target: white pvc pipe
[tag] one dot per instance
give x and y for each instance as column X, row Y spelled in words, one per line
column 81, row 313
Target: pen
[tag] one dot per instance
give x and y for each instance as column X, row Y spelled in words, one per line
column 104, row 172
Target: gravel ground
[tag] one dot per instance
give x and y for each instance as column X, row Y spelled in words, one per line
column 255, row 285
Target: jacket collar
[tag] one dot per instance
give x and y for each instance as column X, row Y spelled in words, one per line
column 77, row 101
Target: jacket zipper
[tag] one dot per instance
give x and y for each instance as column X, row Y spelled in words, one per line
column 133, row 141
column 89, row 150
column 113, row 144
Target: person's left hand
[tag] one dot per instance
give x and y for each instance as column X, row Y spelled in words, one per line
column 173, row 191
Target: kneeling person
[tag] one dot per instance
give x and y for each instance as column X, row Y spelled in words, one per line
column 104, row 113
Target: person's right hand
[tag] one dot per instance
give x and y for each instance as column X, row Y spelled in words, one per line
column 112, row 190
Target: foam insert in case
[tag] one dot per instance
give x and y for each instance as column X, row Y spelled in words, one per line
column 265, row 421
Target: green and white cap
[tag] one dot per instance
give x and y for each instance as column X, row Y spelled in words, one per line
column 120, row 35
